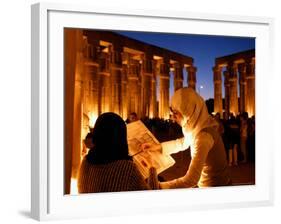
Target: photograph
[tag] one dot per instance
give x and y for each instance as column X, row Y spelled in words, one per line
column 156, row 111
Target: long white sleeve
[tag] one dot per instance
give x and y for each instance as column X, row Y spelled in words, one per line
column 199, row 152
column 175, row 146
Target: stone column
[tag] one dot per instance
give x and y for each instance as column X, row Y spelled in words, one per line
column 146, row 84
column 191, row 77
column 90, row 105
column 153, row 102
column 250, row 77
column 74, row 68
column 115, row 75
column 124, row 86
column 104, row 83
column 243, row 87
column 233, row 98
column 164, row 110
column 178, row 76
column 226, row 92
column 217, row 90
column 133, row 86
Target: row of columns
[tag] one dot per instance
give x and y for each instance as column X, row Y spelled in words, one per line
column 246, row 72
column 117, row 82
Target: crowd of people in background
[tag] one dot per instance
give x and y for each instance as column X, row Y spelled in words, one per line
column 238, row 133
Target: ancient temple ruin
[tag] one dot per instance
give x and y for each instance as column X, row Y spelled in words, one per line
column 238, row 67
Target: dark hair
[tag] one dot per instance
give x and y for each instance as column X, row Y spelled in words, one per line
column 109, row 139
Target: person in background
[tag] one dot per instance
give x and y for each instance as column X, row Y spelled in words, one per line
column 208, row 166
column 132, row 117
column 243, row 136
column 220, row 126
column 108, row 167
column 233, row 136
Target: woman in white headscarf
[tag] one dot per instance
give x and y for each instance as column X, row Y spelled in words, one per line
column 208, row 166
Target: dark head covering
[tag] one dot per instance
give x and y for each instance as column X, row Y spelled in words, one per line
column 109, row 139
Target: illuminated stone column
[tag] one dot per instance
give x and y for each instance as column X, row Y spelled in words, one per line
column 243, row 87
column 153, row 102
column 75, row 38
column 233, row 97
column 250, row 77
column 90, row 103
column 217, row 90
column 164, row 111
column 226, row 92
column 178, row 76
column 133, row 86
column 124, row 86
column 191, row 77
column 104, row 83
column 73, row 51
column 146, row 85
column 116, row 79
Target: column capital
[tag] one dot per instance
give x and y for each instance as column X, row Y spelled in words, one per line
column 226, row 78
column 116, row 57
column 242, row 73
column 217, row 68
column 164, row 69
column 191, row 69
column 147, row 65
column 232, row 68
column 217, row 74
column 250, row 68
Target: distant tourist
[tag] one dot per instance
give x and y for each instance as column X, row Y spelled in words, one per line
column 132, row 117
column 244, row 136
column 108, row 167
column 233, row 127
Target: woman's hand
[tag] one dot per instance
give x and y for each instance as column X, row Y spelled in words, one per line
column 148, row 147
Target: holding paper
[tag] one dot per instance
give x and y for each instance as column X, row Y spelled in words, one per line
column 138, row 134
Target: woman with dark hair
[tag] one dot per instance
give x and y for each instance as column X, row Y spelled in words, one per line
column 108, row 167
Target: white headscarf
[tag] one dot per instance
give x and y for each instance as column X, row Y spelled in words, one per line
column 194, row 111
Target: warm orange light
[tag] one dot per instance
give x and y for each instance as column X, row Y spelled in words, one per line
column 93, row 119
column 73, row 186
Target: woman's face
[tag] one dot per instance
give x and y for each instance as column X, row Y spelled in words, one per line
column 176, row 116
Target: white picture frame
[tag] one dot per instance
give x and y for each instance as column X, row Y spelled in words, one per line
column 48, row 201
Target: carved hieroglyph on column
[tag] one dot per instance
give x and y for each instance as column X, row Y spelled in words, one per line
column 164, row 111
column 243, row 87
column 250, row 77
column 217, row 90
column 191, row 77
column 233, row 98
column 226, row 92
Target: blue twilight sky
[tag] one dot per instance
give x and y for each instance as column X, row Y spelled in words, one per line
column 202, row 48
